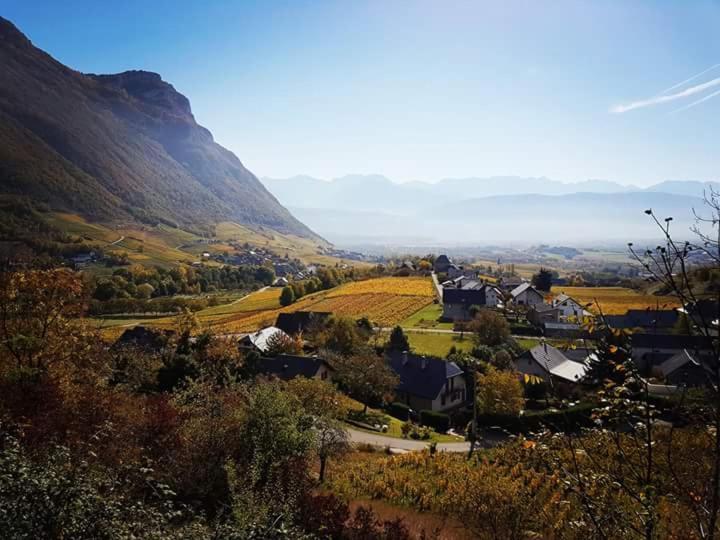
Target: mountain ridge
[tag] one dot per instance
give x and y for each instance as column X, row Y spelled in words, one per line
column 436, row 214
column 119, row 147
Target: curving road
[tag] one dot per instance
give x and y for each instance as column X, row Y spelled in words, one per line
column 488, row 440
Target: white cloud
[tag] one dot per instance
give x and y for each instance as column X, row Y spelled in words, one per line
column 666, row 98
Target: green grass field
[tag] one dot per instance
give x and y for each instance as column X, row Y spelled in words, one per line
column 427, row 317
column 438, row 344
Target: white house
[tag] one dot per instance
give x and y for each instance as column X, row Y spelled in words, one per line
column 493, row 296
column 569, row 308
column 547, row 362
column 260, row 340
column 526, row 295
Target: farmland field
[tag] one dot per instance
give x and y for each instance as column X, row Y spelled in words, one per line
column 410, row 286
column 383, row 309
column 385, row 301
column 616, row 300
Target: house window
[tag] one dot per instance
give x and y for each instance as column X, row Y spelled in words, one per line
column 442, row 400
column 323, row 376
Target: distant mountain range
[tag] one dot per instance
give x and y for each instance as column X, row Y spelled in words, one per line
column 121, row 147
column 366, row 209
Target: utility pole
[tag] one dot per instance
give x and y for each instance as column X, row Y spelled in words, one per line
column 473, row 423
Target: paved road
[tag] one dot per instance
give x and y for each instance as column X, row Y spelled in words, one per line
column 438, row 288
column 381, row 441
column 116, row 242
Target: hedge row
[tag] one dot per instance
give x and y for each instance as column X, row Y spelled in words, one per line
column 571, row 419
column 399, row 411
column 438, row 421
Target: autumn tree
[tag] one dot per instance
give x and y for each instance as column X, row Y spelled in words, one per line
column 39, row 327
column 499, row 392
column 281, row 343
column 542, row 281
column 341, row 335
column 398, row 340
column 366, row 377
column 277, row 431
column 490, row 328
column 318, row 398
column 331, row 440
column 287, row 296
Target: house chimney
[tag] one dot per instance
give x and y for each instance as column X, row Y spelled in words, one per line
column 423, row 362
column 544, row 344
column 404, row 358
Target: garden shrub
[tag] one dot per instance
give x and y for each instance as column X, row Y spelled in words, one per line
column 438, row 421
column 400, row 411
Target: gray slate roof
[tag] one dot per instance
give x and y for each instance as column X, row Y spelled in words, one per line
column 421, row 382
column 286, row 366
column 554, row 361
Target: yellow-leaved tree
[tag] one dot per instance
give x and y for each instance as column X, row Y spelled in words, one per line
column 499, row 392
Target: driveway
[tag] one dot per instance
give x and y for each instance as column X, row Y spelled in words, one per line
column 488, row 440
column 438, row 288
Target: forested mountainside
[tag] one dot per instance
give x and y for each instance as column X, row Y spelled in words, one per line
column 118, row 147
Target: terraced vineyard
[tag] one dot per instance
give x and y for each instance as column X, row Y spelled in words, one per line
column 616, row 300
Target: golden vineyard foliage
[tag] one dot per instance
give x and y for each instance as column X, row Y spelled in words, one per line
column 382, row 309
column 384, row 301
column 616, row 300
column 266, row 299
column 497, row 497
column 536, row 489
column 396, row 286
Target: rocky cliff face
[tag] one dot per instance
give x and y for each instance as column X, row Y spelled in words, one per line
column 118, row 147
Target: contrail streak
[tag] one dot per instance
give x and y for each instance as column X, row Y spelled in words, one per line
column 664, row 99
column 698, row 102
column 683, row 83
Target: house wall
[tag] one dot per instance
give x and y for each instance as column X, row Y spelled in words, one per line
column 416, row 403
column 690, row 375
column 568, row 308
column 539, row 318
column 492, row 298
column 455, row 312
column 453, row 393
column 529, row 298
column 324, row 373
column 528, row 366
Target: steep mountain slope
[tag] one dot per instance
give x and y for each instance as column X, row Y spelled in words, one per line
column 118, row 147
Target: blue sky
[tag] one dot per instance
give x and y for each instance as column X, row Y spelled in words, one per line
column 420, row 90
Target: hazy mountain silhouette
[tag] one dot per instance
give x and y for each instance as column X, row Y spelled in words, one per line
column 373, row 209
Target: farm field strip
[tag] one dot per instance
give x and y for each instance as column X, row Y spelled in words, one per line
column 616, row 300
column 382, row 309
column 411, row 286
column 261, row 308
